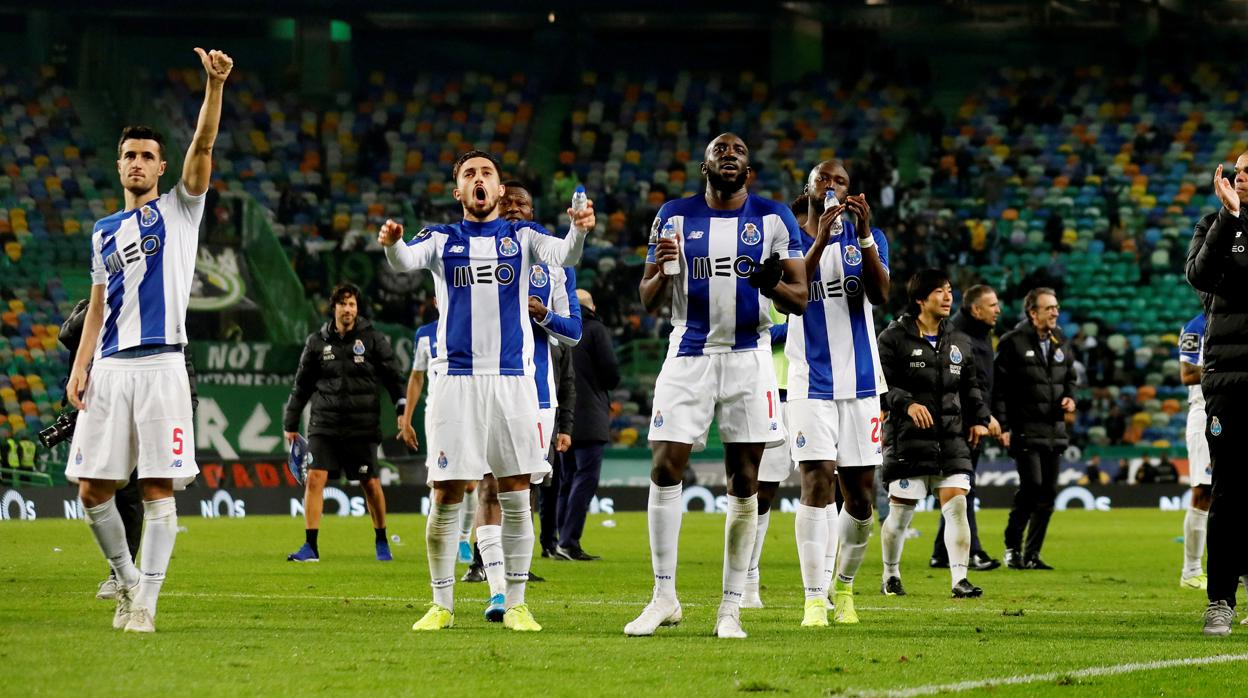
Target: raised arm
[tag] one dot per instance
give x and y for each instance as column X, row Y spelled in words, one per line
column 566, row 252
column 197, row 168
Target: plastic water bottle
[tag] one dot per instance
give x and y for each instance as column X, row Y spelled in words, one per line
column 579, row 199
column 671, row 267
column 830, row 201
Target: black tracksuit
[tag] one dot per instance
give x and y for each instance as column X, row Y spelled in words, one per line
column 1217, row 266
column 565, row 393
column 942, row 379
column 1028, row 389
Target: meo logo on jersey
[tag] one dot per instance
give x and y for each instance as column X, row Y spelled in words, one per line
column 853, row 256
column 538, row 278
column 508, row 247
column 502, row 274
column 705, row 267
column 148, row 246
column 750, row 235
column 148, row 216
column 819, row 290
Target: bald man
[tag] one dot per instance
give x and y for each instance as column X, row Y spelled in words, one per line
column 597, row 373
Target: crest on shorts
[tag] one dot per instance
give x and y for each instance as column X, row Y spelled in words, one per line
column 658, row 419
column 903, row 484
column 148, row 216
column 442, row 461
column 358, row 349
column 1058, row 356
column 853, row 256
column 751, row 235
column 538, row 278
column 1209, row 470
column 508, row 247
column 955, row 354
column 78, row 457
column 1215, row 427
column 801, row 440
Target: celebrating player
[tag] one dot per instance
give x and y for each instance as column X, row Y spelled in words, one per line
column 835, row 382
column 485, row 410
column 737, row 254
column 136, row 403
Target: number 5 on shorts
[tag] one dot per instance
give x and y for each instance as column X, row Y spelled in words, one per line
column 177, row 441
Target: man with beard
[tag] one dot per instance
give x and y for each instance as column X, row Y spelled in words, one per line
column 486, row 410
column 736, row 253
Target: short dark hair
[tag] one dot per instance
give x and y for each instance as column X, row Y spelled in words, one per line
column 459, row 162
column 143, row 133
column 516, row 184
column 973, row 294
column 1033, row 297
column 923, row 283
column 342, row 291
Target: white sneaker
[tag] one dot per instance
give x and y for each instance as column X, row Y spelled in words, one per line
column 141, row 621
column 108, row 590
column 728, row 626
column 751, row 598
column 125, row 597
column 659, row 612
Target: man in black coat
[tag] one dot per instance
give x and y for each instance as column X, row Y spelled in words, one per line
column 932, row 383
column 1217, row 262
column 976, row 319
column 597, row 373
column 339, row 371
column 1033, row 391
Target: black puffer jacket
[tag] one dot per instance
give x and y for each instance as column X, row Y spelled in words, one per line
column 1217, row 266
column 1028, row 389
column 980, row 334
column 339, row 374
column 942, row 379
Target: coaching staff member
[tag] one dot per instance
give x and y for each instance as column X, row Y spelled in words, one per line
column 341, row 366
column 1216, row 266
column 1033, row 391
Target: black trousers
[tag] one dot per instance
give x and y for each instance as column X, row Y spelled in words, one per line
column 1227, row 432
column 1033, row 503
column 977, row 548
column 548, row 491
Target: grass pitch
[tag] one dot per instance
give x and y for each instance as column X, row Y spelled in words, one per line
column 237, row 619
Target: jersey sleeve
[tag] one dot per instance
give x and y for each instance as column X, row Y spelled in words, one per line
column 420, row 355
column 99, row 274
column 1190, row 342
column 563, row 320
column 192, row 207
column 550, row 250
column 418, row 253
column 660, row 219
column 881, row 243
column 789, row 244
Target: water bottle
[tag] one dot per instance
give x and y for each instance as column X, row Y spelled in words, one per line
column 830, row 201
column 672, row 267
column 579, row 199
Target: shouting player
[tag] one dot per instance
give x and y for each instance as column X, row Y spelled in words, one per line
column 136, row 403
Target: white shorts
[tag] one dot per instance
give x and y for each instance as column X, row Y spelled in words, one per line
column 138, row 415
column 846, row 431
column 546, row 421
column 920, row 487
column 777, row 465
column 1199, row 464
column 484, row 424
column 736, row 389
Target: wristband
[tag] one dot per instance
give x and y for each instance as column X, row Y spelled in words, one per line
column 866, row 243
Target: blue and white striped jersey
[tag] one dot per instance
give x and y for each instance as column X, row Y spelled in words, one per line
column 1192, row 351
column 831, row 348
column 425, row 346
column 714, row 308
column 481, row 279
column 146, row 260
column 555, row 287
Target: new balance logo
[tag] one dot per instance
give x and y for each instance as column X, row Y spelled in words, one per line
column 821, row 290
column 501, row 274
column 456, row 249
column 917, row 352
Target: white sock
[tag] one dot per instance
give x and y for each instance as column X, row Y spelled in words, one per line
column 957, row 537
column 518, row 540
column 760, row 537
column 160, row 530
column 441, row 543
column 110, row 535
column 834, row 544
column 893, row 537
column 854, row 536
column 811, row 527
column 663, row 514
column 490, row 543
column 740, row 529
column 1195, row 526
column 468, row 516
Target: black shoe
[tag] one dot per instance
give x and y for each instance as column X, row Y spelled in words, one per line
column 1033, row 562
column 965, row 590
column 574, row 553
column 535, row 577
column 475, row 573
column 938, row 563
column 981, row 562
column 1014, row 559
column 892, row 587
column 549, row 551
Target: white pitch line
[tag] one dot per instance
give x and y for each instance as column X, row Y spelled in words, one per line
column 1111, row 670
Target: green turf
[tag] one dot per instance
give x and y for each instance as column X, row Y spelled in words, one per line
column 237, row 619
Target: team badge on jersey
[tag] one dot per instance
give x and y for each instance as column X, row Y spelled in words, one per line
column 955, row 354
column 508, row 247
column 1215, row 427
column 853, row 256
column 658, row 420
column 422, row 234
column 801, row 440
column 442, row 461
column 1058, row 356
column 538, row 278
column 148, row 216
column 751, row 235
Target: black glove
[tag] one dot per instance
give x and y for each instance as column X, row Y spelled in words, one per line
column 765, row 276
